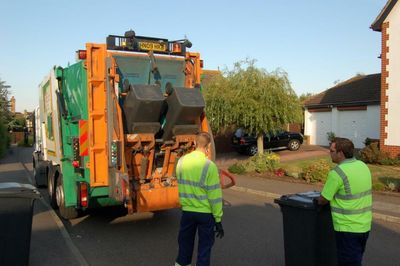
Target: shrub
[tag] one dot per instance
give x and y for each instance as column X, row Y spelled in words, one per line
column 331, row 136
column 368, row 141
column 263, row 162
column 372, row 154
column 390, row 183
column 258, row 163
column 279, row 172
column 316, row 172
column 390, row 161
column 237, row 168
column 378, row 187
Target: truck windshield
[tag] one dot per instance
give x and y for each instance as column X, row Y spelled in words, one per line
column 137, row 70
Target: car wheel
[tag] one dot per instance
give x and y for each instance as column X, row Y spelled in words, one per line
column 294, row 145
column 252, row 150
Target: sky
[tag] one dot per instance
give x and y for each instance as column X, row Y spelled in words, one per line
column 316, row 42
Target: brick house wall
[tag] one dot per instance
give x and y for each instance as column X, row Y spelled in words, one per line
column 390, row 83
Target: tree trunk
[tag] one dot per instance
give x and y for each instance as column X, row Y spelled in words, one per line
column 260, row 143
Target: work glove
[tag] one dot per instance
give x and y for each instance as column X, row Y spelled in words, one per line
column 219, row 230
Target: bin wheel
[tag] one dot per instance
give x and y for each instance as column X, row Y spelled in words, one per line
column 51, row 189
column 65, row 212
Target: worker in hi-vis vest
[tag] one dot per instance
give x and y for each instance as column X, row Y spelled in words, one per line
column 200, row 196
column 348, row 189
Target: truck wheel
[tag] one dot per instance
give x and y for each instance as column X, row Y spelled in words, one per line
column 65, row 212
column 39, row 173
column 51, row 188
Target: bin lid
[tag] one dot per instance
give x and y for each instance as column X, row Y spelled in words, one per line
column 300, row 200
column 18, row 190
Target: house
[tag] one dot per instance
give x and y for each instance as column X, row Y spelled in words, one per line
column 388, row 23
column 350, row 109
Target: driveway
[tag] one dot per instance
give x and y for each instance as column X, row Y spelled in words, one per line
column 224, row 160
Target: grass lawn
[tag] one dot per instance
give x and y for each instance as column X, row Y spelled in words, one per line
column 384, row 177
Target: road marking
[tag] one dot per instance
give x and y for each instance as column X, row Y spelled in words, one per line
column 75, row 251
column 269, row 195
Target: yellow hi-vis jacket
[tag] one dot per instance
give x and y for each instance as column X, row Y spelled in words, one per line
column 348, row 188
column 199, row 185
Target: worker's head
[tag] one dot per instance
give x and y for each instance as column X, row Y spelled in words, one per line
column 203, row 140
column 341, row 149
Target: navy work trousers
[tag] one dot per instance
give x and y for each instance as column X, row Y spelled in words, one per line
column 350, row 248
column 204, row 224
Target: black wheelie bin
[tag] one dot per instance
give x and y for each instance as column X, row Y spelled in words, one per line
column 16, row 208
column 309, row 238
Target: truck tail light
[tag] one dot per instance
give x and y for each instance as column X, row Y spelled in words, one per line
column 75, row 164
column 81, row 54
column 83, row 194
column 242, row 140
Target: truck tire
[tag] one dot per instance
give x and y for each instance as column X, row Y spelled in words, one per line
column 65, row 212
column 51, row 187
column 39, row 174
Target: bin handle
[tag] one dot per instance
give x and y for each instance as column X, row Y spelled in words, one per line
column 222, row 175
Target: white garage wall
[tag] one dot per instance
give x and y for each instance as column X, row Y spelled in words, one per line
column 373, row 121
column 316, row 125
column 355, row 125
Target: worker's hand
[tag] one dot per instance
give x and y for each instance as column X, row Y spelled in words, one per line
column 219, row 230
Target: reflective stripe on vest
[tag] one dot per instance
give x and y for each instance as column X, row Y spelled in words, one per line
column 344, row 211
column 202, row 177
column 345, row 180
column 349, row 196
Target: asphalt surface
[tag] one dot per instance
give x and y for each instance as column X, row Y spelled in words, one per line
column 50, row 245
column 253, row 233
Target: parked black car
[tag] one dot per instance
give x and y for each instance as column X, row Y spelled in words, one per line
column 247, row 144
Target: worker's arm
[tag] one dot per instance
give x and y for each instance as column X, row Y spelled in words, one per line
column 214, row 192
column 331, row 187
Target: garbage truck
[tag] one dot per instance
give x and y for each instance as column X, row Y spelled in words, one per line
column 112, row 126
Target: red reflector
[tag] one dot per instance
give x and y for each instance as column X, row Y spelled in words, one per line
column 82, row 54
column 84, row 194
column 75, row 164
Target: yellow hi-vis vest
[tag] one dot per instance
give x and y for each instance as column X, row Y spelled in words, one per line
column 348, row 188
column 199, row 185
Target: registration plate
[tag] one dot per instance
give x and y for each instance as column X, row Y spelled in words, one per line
column 153, row 46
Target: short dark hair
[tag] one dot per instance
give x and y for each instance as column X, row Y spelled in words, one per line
column 203, row 139
column 344, row 145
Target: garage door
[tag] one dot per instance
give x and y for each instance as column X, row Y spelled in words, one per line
column 320, row 124
column 352, row 125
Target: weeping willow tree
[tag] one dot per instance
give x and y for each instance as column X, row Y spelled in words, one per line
column 253, row 99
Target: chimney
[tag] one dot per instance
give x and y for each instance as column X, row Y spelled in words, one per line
column 12, row 104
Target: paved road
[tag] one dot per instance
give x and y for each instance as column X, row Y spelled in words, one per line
column 253, row 226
